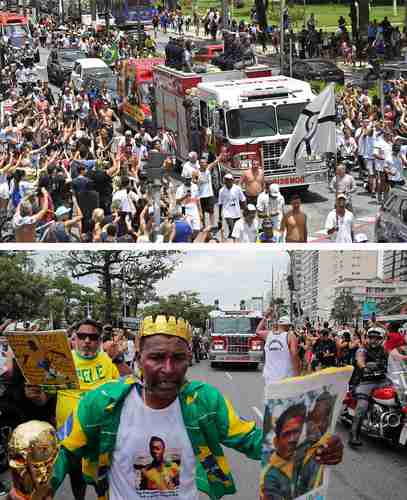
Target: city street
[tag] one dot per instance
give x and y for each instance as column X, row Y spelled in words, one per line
column 373, row 472
column 317, row 202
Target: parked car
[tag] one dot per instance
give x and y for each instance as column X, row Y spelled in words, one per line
column 207, row 53
column 89, row 68
column 316, row 69
column 391, row 221
column 60, row 64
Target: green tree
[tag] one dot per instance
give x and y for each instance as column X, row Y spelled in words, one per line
column 138, row 271
column 22, row 291
column 343, row 308
column 185, row 304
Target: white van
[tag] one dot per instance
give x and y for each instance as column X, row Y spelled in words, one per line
column 89, row 68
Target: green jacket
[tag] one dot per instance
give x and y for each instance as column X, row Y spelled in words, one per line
column 209, row 419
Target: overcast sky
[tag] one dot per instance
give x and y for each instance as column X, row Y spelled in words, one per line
column 228, row 275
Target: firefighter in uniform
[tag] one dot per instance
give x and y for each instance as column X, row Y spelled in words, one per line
column 369, row 373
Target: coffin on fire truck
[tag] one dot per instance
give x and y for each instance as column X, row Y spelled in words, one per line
column 249, row 112
column 233, row 339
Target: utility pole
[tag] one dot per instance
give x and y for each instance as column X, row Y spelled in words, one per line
column 225, row 14
column 282, row 46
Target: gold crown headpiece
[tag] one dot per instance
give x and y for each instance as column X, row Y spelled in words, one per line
column 166, row 325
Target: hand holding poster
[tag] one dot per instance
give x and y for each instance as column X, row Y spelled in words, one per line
column 300, row 417
column 45, row 359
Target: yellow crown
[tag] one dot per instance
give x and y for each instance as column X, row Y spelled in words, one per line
column 166, row 325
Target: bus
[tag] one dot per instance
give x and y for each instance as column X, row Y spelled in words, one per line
column 134, row 11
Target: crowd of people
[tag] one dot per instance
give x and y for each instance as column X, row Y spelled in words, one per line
column 70, row 172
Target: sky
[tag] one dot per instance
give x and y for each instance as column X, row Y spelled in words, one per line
column 229, row 275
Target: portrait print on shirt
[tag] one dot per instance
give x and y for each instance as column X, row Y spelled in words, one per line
column 157, row 470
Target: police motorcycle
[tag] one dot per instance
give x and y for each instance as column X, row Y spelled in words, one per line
column 386, row 416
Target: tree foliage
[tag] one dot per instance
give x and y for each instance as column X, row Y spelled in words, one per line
column 344, row 308
column 186, row 304
column 138, row 271
column 22, row 291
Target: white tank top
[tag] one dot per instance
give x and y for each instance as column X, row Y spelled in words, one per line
column 277, row 364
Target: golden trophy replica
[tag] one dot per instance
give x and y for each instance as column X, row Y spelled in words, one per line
column 33, row 449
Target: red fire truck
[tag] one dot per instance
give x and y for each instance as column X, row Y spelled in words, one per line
column 250, row 112
column 233, row 339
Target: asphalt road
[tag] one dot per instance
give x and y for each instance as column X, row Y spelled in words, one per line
column 374, row 472
column 317, row 202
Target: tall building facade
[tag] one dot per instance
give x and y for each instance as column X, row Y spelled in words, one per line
column 320, row 272
column 395, row 265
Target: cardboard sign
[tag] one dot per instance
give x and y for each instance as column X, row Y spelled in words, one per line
column 45, row 359
column 300, row 417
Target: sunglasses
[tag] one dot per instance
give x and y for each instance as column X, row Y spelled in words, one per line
column 92, row 336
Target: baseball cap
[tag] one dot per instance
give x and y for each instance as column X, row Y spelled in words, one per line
column 251, row 207
column 274, row 190
column 284, row 320
column 59, row 212
column 341, row 195
column 128, row 133
column 228, row 177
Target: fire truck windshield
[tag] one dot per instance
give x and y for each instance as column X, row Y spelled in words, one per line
column 264, row 121
column 251, row 122
column 287, row 116
column 224, row 326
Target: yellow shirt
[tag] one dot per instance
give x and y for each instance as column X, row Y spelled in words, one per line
column 91, row 374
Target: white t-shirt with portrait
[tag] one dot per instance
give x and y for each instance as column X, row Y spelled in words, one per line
column 143, row 432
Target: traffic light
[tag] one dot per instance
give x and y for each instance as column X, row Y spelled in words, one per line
column 290, row 282
column 216, row 302
column 295, row 310
column 242, row 305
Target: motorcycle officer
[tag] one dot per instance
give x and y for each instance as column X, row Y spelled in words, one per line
column 370, row 373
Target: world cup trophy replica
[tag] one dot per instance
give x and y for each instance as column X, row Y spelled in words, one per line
column 33, row 449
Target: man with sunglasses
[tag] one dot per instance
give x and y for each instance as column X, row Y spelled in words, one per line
column 116, row 425
column 94, row 368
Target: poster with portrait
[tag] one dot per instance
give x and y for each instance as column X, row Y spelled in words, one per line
column 300, row 416
column 45, row 359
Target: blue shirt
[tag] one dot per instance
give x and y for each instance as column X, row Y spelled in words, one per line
column 183, row 232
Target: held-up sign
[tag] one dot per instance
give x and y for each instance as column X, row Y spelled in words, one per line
column 45, row 359
column 306, row 408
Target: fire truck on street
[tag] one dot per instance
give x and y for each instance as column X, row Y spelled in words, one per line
column 249, row 112
column 233, row 339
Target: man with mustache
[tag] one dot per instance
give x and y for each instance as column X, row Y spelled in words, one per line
column 115, row 423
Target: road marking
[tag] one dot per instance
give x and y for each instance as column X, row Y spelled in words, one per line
column 229, row 376
column 257, row 412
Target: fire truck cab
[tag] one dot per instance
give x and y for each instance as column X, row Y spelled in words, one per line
column 134, row 82
column 233, row 339
column 249, row 112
